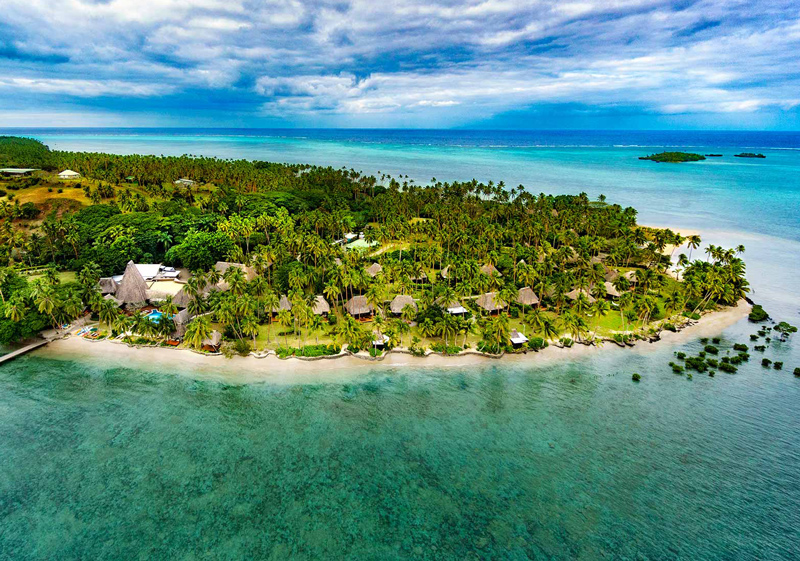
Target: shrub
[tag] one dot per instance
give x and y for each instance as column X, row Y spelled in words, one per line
column 375, row 352
column 744, row 357
column 729, row 368
column 677, row 368
column 242, row 347
column 754, row 337
column 3, row 193
column 670, row 327
column 636, row 377
column 681, row 356
column 777, row 365
column 797, row 371
column 711, row 349
column 740, row 347
column 711, row 373
column 696, row 363
column 537, row 343
column 760, row 348
column 712, row 363
column 704, row 340
column 758, row 314
column 567, row 342
column 765, row 362
column 716, row 340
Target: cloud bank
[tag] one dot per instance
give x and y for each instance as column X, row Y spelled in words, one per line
column 399, row 63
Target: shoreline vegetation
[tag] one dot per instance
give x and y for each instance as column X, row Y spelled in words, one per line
column 236, row 258
column 675, row 157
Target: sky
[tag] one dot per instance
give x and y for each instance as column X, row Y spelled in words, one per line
column 533, row 64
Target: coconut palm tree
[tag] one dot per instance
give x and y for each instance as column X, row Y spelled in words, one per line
column 198, row 330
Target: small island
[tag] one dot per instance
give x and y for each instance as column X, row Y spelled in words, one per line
column 713, row 155
column 673, row 157
column 749, row 155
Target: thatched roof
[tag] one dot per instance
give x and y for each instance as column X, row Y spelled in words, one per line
column 321, row 305
column 631, row 276
column 423, row 277
column 222, row 266
column 487, row 302
column 182, row 298
column 445, row 272
column 111, row 297
column 358, row 306
column 599, row 258
column 527, row 297
column 611, row 275
column 181, row 320
column 132, row 288
column 374, row 269
column 490, row 269
column 214, row 340
column 400, row 302
column 283, row 304
column 610, row 290
column 573, row 295
column 107, row 285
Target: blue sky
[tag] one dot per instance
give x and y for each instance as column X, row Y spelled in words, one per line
column 401, row 63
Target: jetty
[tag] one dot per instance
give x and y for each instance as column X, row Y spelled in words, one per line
column 23, row 350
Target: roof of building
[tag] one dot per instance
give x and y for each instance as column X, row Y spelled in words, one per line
column 111, row 297
column 132, row 288
column 69, row 173
column 18, row 171
column 490, row 269
column 321, row 305
column 527, row 297
column 284, row 304
column 107, row 285
column 214, row 340
column 610, row 290
column 358, row 306
column 399, row 303
column 517, row 338
column 631, row 276
column 374, row 269
column 573, row 295
column 488, row 302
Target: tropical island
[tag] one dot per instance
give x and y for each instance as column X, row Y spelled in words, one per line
column 749, row 155
column 673, row 157
column 249, row 257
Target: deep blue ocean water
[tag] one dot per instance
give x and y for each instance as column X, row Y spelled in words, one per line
column 103, row 460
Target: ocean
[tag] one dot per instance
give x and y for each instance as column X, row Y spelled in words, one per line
column 504, row 461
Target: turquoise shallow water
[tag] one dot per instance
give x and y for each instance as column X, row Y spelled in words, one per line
column 509, row 461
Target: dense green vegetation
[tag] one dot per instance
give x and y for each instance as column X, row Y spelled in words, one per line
column 441, row 243
column 749, row 155
column 674, row 157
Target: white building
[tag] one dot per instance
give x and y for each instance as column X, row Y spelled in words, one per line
column 69, row 174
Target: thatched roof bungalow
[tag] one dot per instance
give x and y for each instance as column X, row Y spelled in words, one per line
column 489, row 302
column 112, row 298
column 374, row 270
column 283, row 304
column 631, row 276
column 321, row 306
column 214, row 340
column 107, row 285
column 490, row 270
column 132, row 288
column 222, row 266
column 574, row 294
column 358, row 307
column 611, row 292
column 399, row 303
column 527, row 297
column 181, row 320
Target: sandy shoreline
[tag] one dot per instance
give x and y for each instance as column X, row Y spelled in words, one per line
column 245, row 370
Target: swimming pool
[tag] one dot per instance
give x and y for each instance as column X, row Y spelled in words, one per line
column 154, row 316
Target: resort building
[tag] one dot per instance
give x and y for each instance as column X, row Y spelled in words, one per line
column 380, row 340
column 69, row 174
column 186, row 182
column 611, row 292
column 575, row 294
column 374, row 270
column 107, row 285
column 490, row 270
column 517, row 339
column 527, row 297
column 400, row 302
column 358, row 307
column 489, row 302
column 321, row 306
column 132, row 288
column 181, row 320
column 18, row 172
column 284, row 304
column 455, row 308
column 213, row 341
column 152, row 272
column 222, row 266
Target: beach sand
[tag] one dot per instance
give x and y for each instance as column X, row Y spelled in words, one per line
column 246, row 370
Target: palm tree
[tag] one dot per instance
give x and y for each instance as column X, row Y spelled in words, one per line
column 599, row 309
column 286, row 321
column 120, row 323
column 693, row 242
column 107, row 311
column 198, row 330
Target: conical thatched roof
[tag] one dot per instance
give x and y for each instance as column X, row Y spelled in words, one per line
column 631, row 276
column 487, row 302
column 527, row 297
column 321, row 305
column 132, row 288
column 358, row 306
column 111, row 297
column 573, row 295
column 490, row 269
column 374, row 269
column 283, row 304
column 400, row 302
column 611, row 275
column 181, row 320
column 610, row 290
column 182, row 298
column 445, row 272
column 107, row 286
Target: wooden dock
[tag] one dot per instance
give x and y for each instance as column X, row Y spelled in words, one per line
column 23, row 350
